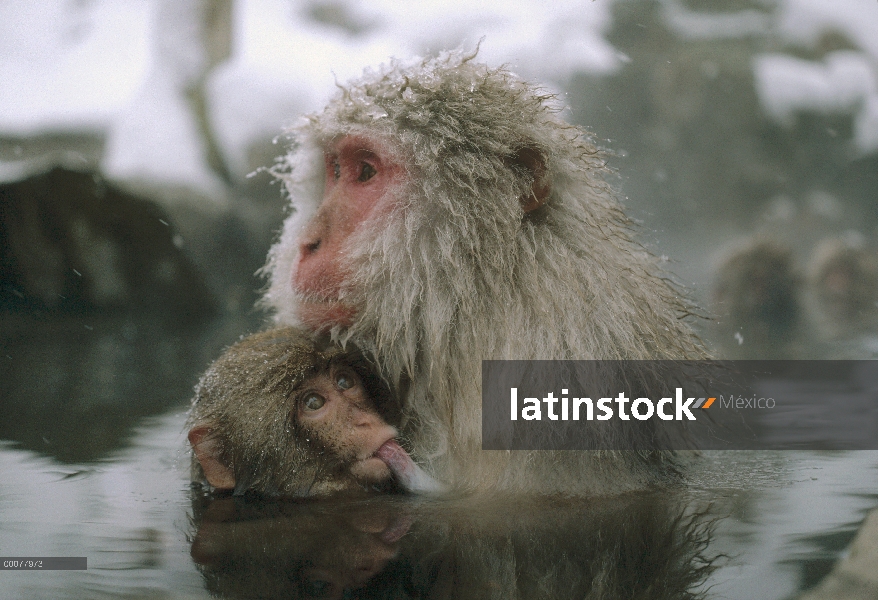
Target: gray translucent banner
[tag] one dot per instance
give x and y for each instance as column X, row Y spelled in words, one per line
column 43, row 563
column 676, row 405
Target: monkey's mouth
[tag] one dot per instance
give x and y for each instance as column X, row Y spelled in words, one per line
column 370, row 467
column 406, row 472
column 396, row 458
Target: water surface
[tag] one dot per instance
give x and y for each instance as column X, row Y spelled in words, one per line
column 94, row 464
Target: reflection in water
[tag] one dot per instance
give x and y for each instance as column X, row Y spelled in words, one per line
column 639, row 546
column 94, row 463
column 778, row 519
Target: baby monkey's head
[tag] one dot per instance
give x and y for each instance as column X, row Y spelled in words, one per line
column 278, row 414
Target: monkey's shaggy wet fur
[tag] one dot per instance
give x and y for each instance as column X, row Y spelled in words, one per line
column 457, row 272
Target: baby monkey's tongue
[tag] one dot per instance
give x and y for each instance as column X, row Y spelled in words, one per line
column 407, row 473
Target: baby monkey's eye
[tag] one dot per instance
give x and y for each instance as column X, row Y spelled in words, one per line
column 313, row 401
column 344, row 381
column 336, row 170
column 367, row 172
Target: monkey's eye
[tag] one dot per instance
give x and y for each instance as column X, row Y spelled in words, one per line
column 336, row 170
column 313, row 401
column 367, row 172
column 344, row 381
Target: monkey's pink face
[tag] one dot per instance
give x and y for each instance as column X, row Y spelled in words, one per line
column 359, row 174
column 336, row 408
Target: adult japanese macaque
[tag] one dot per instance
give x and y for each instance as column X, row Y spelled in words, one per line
column 276, row 415
column 757, row 298
column 444, row 213
column 843, row 288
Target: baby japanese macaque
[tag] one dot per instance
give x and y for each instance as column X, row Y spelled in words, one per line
column 278, row 415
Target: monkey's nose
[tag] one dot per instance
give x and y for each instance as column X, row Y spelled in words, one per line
column 312, row 237
column 307, row 270
column 309, row 247
column 363, row 417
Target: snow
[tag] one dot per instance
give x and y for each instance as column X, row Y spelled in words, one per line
column 120, row 69
column 70, row 68
column 155, row 137
column 805, row 21
column 285, row 65
column 838, row 84
column 842, row 82
column 698, row 25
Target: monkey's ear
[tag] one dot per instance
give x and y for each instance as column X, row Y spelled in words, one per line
column 532, row 160
column 208, row 452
